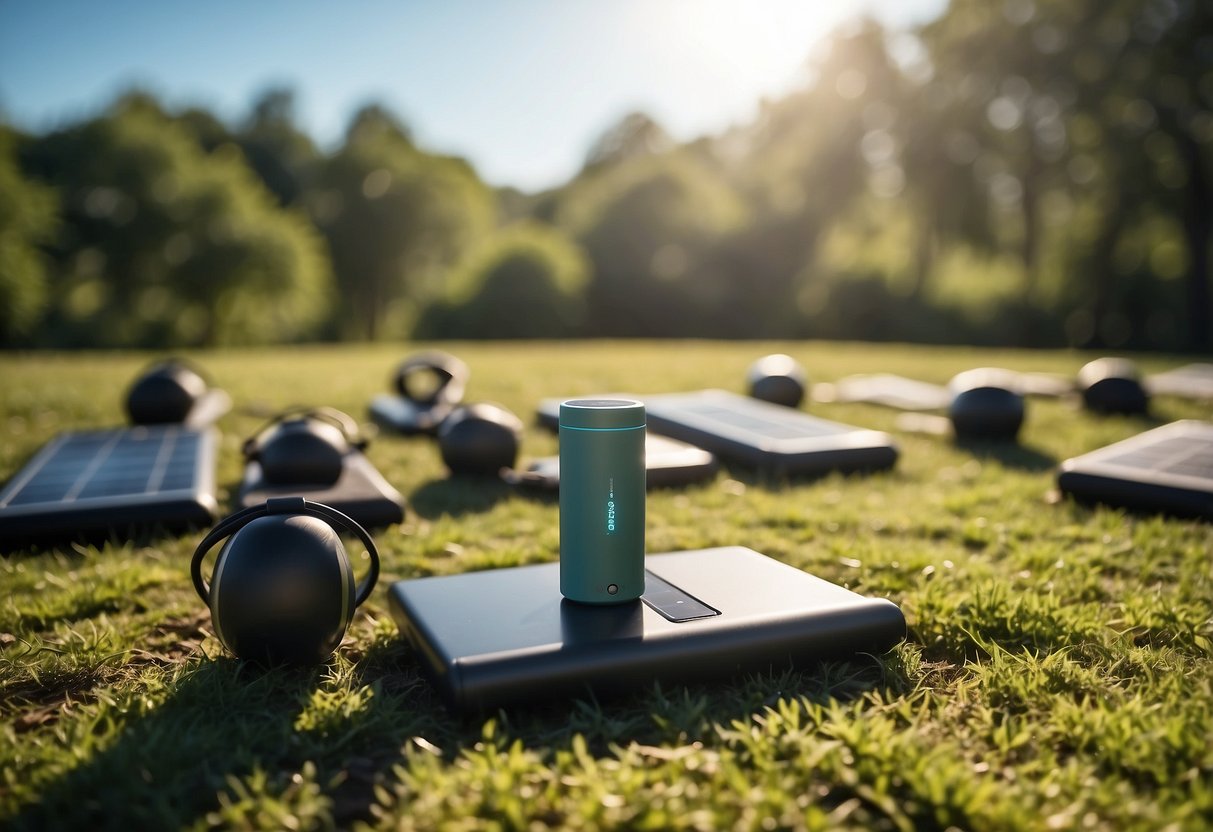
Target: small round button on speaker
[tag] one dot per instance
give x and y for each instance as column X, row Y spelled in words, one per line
column 612, row 589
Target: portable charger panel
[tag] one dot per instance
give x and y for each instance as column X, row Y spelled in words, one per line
column 91, row 482
column 506, row 636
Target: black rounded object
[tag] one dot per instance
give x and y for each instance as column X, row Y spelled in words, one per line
column 432, row 379
column 304, row 446
column 164, row 394
column 283, row 589
column 480, row 438
column 986, row 405
column 777, row 378
column 1113, row 385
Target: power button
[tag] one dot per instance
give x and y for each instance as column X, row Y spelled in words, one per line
column 612, row 589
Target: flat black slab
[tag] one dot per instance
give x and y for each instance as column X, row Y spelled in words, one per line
column 1168, row 469
column 360, row 492
column 506, row 636
column 85, row 483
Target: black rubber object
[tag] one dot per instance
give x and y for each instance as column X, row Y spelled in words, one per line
column 1113, row 385
column 165, row 393
column 777, row 378
column 986, row 405
column 304, row 446
column 480, row 439
column 282, row 590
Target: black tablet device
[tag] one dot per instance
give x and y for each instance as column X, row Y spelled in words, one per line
column 81, row 484
column 668, row 464
column 758, row 434
column 1168, row 469
column 506, row 636
column 767, row 436
column 360, row 492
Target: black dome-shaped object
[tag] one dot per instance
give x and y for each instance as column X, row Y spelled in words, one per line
column 304, row 447
column 282, row 590
column 1112, row 385
column 480, row 438
column 986, row 404
column 777, row 378
column 165, row 394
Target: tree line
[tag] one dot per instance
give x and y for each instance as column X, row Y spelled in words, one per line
column 1031, row 172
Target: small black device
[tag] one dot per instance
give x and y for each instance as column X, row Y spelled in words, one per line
column 985, row 405
column 317, row 453
column 668, row 463
column 480, row 439
column 282, row 590
column 175, row 391
column 506, row 636
column 88, row 483
column 304, row 445
column 1113, row 385
column 778, row 379
column 1167, row 469
column 428, row 387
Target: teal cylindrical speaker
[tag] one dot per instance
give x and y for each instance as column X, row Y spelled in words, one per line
column 602, row 500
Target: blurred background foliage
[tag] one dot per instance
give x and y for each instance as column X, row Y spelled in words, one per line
column 1030, row 172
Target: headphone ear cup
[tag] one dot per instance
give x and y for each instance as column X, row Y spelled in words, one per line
column 301, row 452
column 165, row 394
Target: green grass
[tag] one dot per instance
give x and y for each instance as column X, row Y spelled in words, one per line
column 1058, row 674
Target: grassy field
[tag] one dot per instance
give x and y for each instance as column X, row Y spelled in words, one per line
column 1058, row 673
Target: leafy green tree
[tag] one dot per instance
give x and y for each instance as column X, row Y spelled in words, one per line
column 397, row 219
column 634, row 136
column 27, row 220
column 283, row 156
column 165, row 244
column 527, row 281
column 646, row 226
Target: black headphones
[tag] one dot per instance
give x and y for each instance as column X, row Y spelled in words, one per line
column 304, row 446
column 282, row 590
column 165, row 392
column 445, row 378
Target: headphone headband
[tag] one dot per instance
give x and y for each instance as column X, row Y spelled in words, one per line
column 451, row 375
column 342, row 421
column 285, row 505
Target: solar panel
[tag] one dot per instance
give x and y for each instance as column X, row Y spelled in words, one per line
column 1167, row 469
column 81, row 483
column 767, row 436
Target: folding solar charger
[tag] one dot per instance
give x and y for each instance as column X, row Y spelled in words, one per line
column 81, row 484
column 506, row 636
column 1168, row 469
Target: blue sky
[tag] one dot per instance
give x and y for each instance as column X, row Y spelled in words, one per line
column 520, row 88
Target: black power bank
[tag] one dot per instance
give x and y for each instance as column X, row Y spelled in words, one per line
column 506, row 636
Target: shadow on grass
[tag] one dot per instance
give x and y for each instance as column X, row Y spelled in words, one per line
column 225, row 722
column 1008, row 454
column 458, row 495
